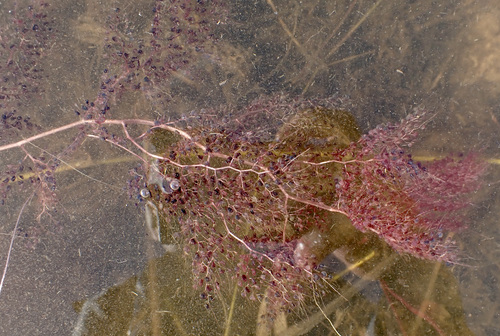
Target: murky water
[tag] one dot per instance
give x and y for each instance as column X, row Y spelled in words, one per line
column 97, row 265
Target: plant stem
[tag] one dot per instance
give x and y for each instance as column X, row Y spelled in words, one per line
column 12, row 240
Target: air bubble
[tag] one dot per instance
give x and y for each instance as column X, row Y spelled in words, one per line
column 145, row 193
column 175, row 184
column 169, row 185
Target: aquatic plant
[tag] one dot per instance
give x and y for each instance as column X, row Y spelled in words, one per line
column 266, row 213
column 259, row 194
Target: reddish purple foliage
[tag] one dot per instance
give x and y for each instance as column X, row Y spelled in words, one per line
column 250, row 206
column 259, row 211
column 181, row 30
column 410, row 205
column 23, row 42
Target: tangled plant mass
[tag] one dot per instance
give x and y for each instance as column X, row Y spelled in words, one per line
column 266, row 205
column 254, row 208
column 253, row 194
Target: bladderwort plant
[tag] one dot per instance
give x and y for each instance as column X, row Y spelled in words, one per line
column 238, row 197
column 254, row 194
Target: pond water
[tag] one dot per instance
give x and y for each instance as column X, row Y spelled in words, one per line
column 96, row 263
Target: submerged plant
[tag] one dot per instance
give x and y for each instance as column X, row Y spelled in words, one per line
column 266, row 212
column 258, row 195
